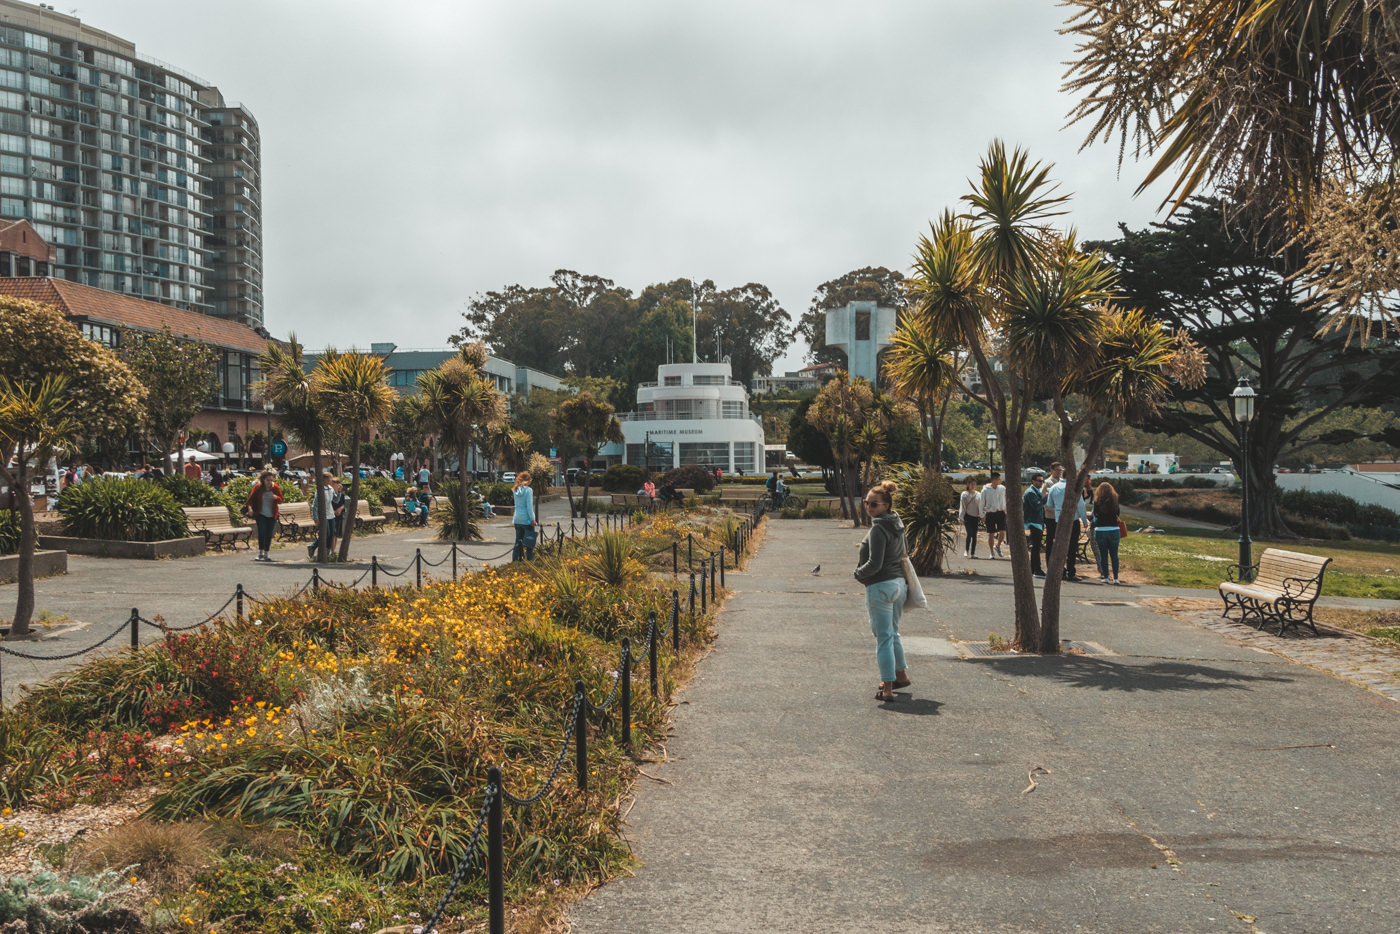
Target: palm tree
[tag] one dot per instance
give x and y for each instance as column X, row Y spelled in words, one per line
column 289, row 387
column 353, row 392
column 925, row 369
column 459, row 403
column 34, row 424
column 589, row 423
column 508, row 446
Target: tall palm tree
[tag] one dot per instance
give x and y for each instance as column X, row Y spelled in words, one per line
column 34, row 426
column 508, row 446
column 925, row 369
column 354, row 393
column 460, row 404
column 287, row 385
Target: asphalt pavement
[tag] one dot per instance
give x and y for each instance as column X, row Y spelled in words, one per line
column 1183, row 775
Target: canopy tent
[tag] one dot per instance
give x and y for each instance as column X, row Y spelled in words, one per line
column 305, row 460
column 198, row 457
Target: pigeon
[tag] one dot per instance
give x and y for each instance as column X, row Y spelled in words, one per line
column 817, row 569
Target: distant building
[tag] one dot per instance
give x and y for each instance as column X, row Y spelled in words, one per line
column 694, row 414
column 407, row 365
column 800, row 381
column 861, row 330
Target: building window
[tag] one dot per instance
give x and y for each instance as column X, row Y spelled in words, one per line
column 705, row 454
column 672, row 381
column 744, row 457
column 733, row 409
column 862, row 325
column 701, row 379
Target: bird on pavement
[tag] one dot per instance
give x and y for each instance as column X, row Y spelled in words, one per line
column 817, row 569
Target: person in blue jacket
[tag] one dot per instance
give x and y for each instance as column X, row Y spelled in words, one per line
column 524, row 518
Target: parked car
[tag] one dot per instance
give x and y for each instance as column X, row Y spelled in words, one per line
column 508, row 477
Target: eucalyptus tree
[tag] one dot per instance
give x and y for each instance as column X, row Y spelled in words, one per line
column 353, row 391
column 461, row 404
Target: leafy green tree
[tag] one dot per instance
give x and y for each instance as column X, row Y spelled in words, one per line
column 855, row 420
column 806, row 441
column 461, row 404
column 58, row 388
column 523, row 324
column 589, row 423
column 747, row 325
column 180, row 377
column 353, row 391
column 1203, row 272
column 871, row 284
column 404, row 427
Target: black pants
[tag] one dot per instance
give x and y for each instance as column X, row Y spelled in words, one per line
column 266, row 526
column 1070, row 561
column 970, row 524
column 1036, row 544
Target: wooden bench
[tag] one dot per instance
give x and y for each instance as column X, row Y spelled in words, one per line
column 364, row 516
column 397, row 511
column 630, row 499
column 294, row 521
column 214, row 524
column 1284, row 587
column 742, row 492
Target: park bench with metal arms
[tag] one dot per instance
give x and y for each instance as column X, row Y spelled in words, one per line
column 214, row 524
column 366, row 517
column 1283, row 589
column 294, row 520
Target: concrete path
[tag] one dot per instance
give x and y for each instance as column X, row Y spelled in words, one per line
column 96, row 596
column 1195, row 779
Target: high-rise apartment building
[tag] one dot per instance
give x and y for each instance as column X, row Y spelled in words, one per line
column 140, row 175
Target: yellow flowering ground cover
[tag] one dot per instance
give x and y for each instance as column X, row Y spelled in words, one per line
column 330, row 753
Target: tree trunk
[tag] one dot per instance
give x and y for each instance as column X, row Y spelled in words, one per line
column 1027, row 620
column 587, row 482
column 322, row 553
column 461, row 515
column 28, row 541
column 352, row 504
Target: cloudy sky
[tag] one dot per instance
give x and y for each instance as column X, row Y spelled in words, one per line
column 417, row 154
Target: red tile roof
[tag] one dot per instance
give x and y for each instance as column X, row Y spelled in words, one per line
column 85, row 303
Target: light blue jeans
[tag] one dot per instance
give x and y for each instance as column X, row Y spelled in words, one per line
column 885, row 601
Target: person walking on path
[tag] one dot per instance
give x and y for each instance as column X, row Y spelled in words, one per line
column 524, row 518
column 263, row 501
column 1106, row 532
column 970, row 512
column 1054, row 506
column 881, row 570
column 1033, row 511
column 994, row 514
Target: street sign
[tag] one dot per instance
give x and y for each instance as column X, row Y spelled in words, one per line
column 279, row 448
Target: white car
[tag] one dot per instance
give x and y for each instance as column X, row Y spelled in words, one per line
column 508, row 477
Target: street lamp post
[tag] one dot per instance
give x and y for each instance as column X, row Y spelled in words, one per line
column 991, row 449
column 267, row 407
column 1243, row 397
column 228, row 449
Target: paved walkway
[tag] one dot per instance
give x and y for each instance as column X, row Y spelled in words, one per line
column 1177, row 778
column 96, row 596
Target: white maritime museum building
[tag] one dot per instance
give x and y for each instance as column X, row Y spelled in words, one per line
column 694, row 414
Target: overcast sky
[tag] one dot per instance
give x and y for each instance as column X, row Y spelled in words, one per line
column 417, row 154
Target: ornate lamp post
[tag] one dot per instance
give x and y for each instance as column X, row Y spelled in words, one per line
column 228, row 449
column 267, row 408
column 1243, row 397
column 991, row 449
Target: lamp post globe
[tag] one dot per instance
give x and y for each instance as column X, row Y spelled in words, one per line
column 228, row 449
column 991, row 449
column 1243, row 398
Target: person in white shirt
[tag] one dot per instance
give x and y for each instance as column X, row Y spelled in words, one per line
column 994, row 514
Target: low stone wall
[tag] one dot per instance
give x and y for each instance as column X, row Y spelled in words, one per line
column 105, row 548
column 46, row 564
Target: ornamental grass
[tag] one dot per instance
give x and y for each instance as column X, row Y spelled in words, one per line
column 359, row 726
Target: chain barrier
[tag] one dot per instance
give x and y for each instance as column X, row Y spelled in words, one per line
column 388, row 573
column 166, row 627
column 459, row 875
column 54, row 658
column 558, row 762
column 438, row 564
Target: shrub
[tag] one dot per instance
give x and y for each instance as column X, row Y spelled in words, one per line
column 926, row 501
column 235, row 494
column 541, row 474
column 612, row 561
column 48, row 903
column 189, row 492
column 1334, row 507
column 167, row 855
column 624, row 478
column 1204, row 512
column 687, row 478
column 820, row 510
column 379, row 491
column 9, row 532
column 499, row 494
column 457, row 497
column 121, row 509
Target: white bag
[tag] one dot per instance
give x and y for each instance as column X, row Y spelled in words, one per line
column 915, row 600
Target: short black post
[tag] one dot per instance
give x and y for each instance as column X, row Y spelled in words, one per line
column 135, row 628
column 454, row 561
column 676, row 620
column 315, row 579
column 651, row 652
column 581, row 735
column 692, row 598
column 374, row 571
column 495, row 854
column 675, row 557
column 712, row 578
column 721, row 565
column 690, row 551
column 704, row 573
column 418, row 568
column 625, row 673
column 238, row 593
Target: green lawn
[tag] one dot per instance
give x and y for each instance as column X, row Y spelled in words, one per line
column 1200, row 558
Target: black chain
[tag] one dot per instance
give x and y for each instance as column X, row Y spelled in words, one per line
column 436, row 564
column 459, row 874
column 646, row 649
column 612, row 696
column 558, row 762
column 54, row 658
column 388, row 573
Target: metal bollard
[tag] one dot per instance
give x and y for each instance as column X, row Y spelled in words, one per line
column 374, row 572
column 692, row 598
column 690, row 551
column 675, row 557
column 581, row 735
column 238, row 593
column 676, row 620
column 721, row 565
column 495, row 854
column 418, row 568
column 703, row 574
column 626, row 675
column 651, row 651
column 712, row 579
column 135, row 628
column 315, row 579
column 454, row 561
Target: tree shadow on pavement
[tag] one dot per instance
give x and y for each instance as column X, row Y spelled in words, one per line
column 1107, row 675
column 918, row 706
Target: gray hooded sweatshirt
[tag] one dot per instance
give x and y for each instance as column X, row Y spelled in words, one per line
column 882, row 552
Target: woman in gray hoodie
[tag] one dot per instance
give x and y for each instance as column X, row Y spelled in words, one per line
column 881, row 570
